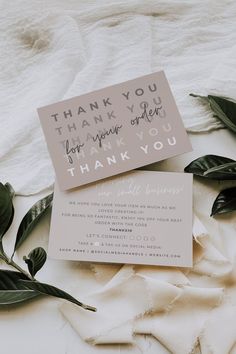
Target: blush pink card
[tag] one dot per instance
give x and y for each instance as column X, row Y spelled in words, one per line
column 113, row 130
column 140, row 217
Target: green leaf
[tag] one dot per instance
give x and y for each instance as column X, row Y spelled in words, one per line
column 36, row 259
column 10, row 297
column 6, row 208
column 225, row 202
column 213, row 167
column 53, row 291
column 15, row 287
column 10, row 190
column 12, row 291
column 31, row 219
column 224, row 109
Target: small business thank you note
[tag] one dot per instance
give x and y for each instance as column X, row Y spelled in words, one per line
column 113, row 130
column 140, row 217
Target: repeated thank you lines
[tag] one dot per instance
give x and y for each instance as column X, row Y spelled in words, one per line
column 109, row 130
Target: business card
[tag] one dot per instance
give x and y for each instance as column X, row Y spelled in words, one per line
column 140, row 217
column 113, row 130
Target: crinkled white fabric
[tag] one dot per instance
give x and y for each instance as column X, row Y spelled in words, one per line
column 51, row 50
column 181, row 308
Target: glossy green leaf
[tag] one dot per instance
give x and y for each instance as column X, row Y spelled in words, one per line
column 53, row 291
column 224, row 109
column 15, row 287
column 225, row 202
column 6, row 208
column 10, row 297
column 10, row 190
column 31, row 219
column 213, row 167
column 12, row 291
column 35, row 260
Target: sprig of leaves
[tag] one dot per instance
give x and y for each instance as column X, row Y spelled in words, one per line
column 20, row 286
column 218, row 167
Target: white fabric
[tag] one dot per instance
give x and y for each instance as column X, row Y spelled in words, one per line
column 160, row 301
column 52, row 50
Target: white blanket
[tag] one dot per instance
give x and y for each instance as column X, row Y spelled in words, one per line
column 57, row 49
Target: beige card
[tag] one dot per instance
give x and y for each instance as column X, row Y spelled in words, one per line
column 113, row 130
column 141, row 217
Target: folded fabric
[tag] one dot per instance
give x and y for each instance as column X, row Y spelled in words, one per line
column 174, row 305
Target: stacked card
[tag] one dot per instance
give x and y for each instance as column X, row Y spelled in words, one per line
column 139, row 217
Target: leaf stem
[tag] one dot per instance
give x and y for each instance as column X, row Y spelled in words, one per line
column 10, row 262
column 88, row 307
column 16, row 266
